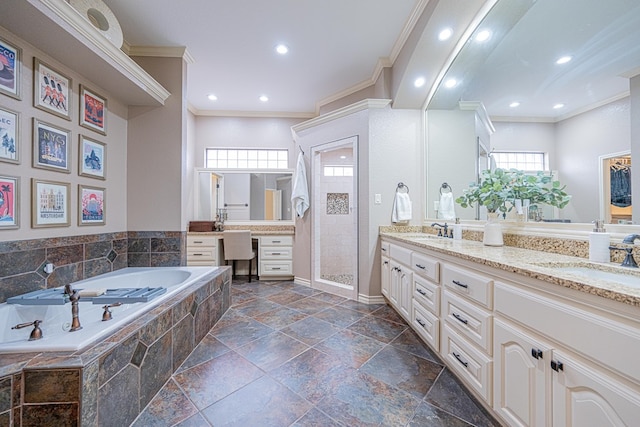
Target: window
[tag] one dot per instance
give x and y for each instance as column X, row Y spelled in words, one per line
column 227, row 158
column 338, row 171
column 526, row 161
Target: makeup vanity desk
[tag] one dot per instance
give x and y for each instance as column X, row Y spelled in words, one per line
column 274, row 248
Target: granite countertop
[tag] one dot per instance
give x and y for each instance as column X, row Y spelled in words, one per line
column 256, row 230
column 535, row 264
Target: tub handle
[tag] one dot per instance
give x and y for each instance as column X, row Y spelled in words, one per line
column 107, row 313
column 36, row 333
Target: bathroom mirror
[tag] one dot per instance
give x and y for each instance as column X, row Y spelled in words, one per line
column 516, row 63
column 247, row 195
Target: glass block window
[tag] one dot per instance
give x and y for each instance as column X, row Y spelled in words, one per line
column 526, row 161
column 231, row 158
column 338, row 171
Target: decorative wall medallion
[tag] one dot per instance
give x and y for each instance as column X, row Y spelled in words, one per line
column 337, row 203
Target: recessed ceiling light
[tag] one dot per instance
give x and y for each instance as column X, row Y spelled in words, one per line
column 282, row 49
column 212, row 97
column 563, row 60
column 483, row 36
column 419, row 82
column 445, row 34
column 343, row 157
column 264, row 98
column 558, row 106
column 514, row 104
column 450, row 83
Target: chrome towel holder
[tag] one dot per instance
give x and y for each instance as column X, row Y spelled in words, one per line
column 402, row 185
column 446, row 186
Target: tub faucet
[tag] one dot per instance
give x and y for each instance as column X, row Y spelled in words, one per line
column 74, row 296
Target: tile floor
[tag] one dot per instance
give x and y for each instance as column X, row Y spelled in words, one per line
column 287, row 355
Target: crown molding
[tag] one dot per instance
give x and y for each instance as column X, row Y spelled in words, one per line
column 365, row 104
column 162, row 52
column 480, row 110
column 412, row 20
column 262, row 114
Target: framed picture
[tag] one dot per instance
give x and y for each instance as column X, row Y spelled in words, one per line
column 51, row 90
column 10, row 69
column 49, row 203
column 91, row 205
column 93, row 110
column 51, row 147
column 9, row 202
column 9, row 136
column 92, row 156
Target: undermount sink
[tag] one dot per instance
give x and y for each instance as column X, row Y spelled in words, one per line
column 623, row 276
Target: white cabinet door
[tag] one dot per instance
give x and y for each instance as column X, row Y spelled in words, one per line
column 522, row 377
column 385, row 276
column 394, row 286
column 406, row 288
column 587, row 397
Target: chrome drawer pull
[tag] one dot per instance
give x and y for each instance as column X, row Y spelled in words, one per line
column 198, row 254
column 557, row 366
column 421, row 266
column 276, row 268
column 421, row 292
column 424, row 325
column 276, row 253
column 460, row 318
column 462, row 285
column 457, row 356
column 383, row 250
column 197, row 241
column 536, row 353
column 275, row 241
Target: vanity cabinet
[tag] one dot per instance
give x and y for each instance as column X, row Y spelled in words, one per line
column 385, row 270
column 202, row 250
column 275, row 256
column 400, row 278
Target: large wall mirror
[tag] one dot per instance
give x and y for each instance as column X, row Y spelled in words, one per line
column 555, row 77
column 245, row 195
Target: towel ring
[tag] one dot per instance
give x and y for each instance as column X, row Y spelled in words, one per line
column 400, row 186
column 446, row 186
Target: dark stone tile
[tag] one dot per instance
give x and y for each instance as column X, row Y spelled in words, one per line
column 156, row 328
column 156, row 369
column 349, row 347
column 139, row 245
column 138, row 259
column 5, row 394
column 313, row 374
column 272, row 350
column 205, row 316
column 241, row 298
column 403, row 370
column 311, row 330
column 361, row 307
column 265, row 290
column 121, row 261
column 196, row 420
column 65, row 274
column 169, row 259
column 211, row 381
column 64, row 255
column 285, row 297
column 96, row 267
column 89, row 405
column 183, row 340
column 231, row 317
column 209, row 348
column 167, row 408
column 256, row 307
column 428, row 415
column 388, row 313
column 17, row 389
column 96, row 250
column 315, row 418
column 339, row 316
column 59, row 415
column 449, row 395
column 120, row 408
column 304, row 290
column 411, row 343
column 309, row 305
column 111, row 256
column 183, row 308
column 138, row 354
column 330, row 298
column 263, row 403
column 21, row 262
column 377, row 328
column 121, row 246
column 171, row 244
column 361, row 400
column 59, row 385
column 20, row 284
column 280, row 318
column 5, row 419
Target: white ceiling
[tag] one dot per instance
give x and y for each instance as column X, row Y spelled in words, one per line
column 333, row 45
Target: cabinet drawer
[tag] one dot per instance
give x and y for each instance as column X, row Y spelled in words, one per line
column 276, row 268
column 426, row 266
column 276, row 240
column 206, row 254
column 426, row 325
column 426, row 294
column 473, row 367
column 284, row 252
column 471, row 321
column 197, row 241
column 469, row 284
column 400, row 254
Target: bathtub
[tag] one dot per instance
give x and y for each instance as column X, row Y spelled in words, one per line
column 56, row 319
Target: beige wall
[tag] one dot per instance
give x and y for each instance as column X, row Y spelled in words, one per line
column 116, row 152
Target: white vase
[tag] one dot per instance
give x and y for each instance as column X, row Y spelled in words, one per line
column 493, row 231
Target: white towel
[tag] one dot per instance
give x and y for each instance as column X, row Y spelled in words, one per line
column 401, row 207
column 300, row 194
column 447, row 207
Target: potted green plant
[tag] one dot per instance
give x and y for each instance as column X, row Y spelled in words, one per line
column 536, row 189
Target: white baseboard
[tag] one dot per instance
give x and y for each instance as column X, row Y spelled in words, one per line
column 376, row 299
column 300, row 281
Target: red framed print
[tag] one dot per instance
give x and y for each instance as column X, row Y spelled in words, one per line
column 93, row 110
column 50, row 203
column 91, row 204
column 9, row 136
column 10, row 69
column 51, row 147
column 9, row 202
column 51, row 90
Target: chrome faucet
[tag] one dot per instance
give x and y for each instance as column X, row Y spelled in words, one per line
column 631, row 238
column 629, row 261
column 441, row 227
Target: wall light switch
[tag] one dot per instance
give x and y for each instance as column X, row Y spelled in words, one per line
column 377, row 199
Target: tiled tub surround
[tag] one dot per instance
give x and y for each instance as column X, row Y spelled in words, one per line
column 109, row 383
column 526, row 262
column 81, row 257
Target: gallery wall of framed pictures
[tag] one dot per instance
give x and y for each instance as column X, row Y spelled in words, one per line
column 57, row 103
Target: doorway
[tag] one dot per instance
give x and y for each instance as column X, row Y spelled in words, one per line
column 335, row 218
column 615, row 190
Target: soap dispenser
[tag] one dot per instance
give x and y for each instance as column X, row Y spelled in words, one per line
column 457, row 230
column 599, row 241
